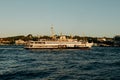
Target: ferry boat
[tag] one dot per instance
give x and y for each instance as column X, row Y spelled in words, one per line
column 61, row 43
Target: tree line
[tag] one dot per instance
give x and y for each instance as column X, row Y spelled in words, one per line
column 35, row 38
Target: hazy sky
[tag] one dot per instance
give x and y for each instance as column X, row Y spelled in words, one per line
column 71, row 17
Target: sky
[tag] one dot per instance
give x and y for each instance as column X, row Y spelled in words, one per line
column 95, row 18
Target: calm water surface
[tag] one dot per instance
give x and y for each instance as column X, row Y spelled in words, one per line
column 99, row 63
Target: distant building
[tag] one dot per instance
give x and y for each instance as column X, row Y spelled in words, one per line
column 63, row 38
column 1, row 41
column 19, row 42
column 117, row 40
column 101, row 39
column 4, row 42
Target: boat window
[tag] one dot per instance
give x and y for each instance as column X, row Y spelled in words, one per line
column 36, row 42
column 31, row 42
column 43, row 42
column 39, row 42
column 30, row 45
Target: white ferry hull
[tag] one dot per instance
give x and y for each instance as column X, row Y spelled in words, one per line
column 58, row 45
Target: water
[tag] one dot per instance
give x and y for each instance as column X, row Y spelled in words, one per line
column 99, row 63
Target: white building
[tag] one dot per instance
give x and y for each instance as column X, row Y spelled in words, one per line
column 20, row 42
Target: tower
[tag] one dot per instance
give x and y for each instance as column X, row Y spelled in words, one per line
column 52, row 33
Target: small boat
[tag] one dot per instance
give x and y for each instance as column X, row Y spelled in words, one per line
column 61, row 43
